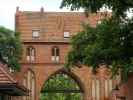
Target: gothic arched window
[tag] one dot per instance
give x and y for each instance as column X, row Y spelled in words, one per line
column 29, row 82
column 30, row 53
column 55, row 54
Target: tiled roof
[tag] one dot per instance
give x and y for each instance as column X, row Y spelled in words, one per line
column 9, row 85
column 5, row 76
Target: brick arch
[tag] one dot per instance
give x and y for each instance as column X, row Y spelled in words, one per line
column 83, row 77
column 72, row 75
column 56, row 70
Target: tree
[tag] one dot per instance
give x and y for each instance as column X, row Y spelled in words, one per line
column 118, row 7
column 10, row 48
column 110, row 42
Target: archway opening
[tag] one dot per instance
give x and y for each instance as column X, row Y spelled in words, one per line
column 61, row 86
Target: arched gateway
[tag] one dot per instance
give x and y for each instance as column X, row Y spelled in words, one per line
column 45, row 37
column 62, row 85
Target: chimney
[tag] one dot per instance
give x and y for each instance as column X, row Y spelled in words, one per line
column 42, row 10
column 17, row 9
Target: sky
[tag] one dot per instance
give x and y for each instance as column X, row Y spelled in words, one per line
column 8, row 9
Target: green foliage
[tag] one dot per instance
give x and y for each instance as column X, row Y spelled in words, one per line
column 119, row 7
column 10, row 48
column 58, row 84
column 61, row 81
column 111, row 42
column 61, row 96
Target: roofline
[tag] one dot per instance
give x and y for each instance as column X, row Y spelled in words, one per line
column 43, row 10
column 61, row 12
column 6, row 72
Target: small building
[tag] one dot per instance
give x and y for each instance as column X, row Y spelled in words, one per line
column 9, row 87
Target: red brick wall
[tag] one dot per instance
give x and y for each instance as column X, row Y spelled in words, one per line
column 84, row 77
column 125, row 89
column 51, row 26
column 44, row 52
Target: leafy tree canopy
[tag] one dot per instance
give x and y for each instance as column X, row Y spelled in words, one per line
column 119, row 7
column 10, row 48
column 110, row 42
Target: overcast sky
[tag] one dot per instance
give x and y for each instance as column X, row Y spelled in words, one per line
column 8, row 9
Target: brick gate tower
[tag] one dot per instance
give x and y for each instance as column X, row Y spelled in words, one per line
column 46, row 42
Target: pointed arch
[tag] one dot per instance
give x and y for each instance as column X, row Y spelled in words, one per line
column 29, row 81
column 73, row 76
column 30, row 53
column 74, row 87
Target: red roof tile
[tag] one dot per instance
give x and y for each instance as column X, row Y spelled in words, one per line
column 8, row 83
column 5, row 75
